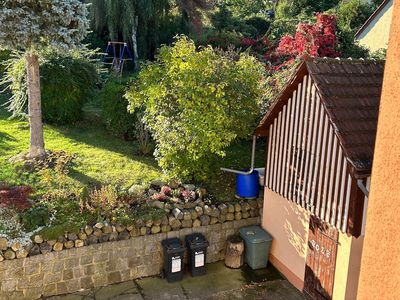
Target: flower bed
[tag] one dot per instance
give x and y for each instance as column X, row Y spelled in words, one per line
column 111, row 216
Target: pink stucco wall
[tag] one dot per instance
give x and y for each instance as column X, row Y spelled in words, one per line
column 288, row 225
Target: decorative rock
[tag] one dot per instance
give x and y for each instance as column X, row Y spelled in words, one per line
column 61, row 239
column 190, row 187
column 238, row 207
column 104, row 238
column 158, row 183
column 207, row 210
column 215, row 212
column 205, row 220
column 155, row 229
column 174, row 223
column 187, row 215
column 9, row 254
column 213, row 220
column 253, row 213
column 52, row 242
column 223, row 208
column 189, row 205
column 129, row 228
column 222, row 218
column 245, row 206
column 157, row 223
column 72, row 237
column 143, row 230
column 149, row 223
column 230, row 216
column 136, row 190
column 202, row 193
column 98, row 232
column 231, row 208
column 82, row 235
column 46, row 247
column 173, row 184
column 238, row 215
column 245, row 214
column 99, row 225
column 21, row 253
column 164, row 221
column 92, row 239
column 69, row 244
column 88, row 230
column 58, row 246
column 35, row 250
column 114, row 236
column 38, row 239
column 193, row 214
column 165, row 228
column 3, row 244
column 158, row 204
column 107, row 229
column 16, row 246
column 178, row 214
column 124, row 235
column 260, row 202
column 79, row 243
column 1, row 258
column 253, row 204
column 196, row 223
column 139, row 223
column 199, row 210
column 187, row 223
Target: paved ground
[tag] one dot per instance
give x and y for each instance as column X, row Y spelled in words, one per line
column 219, row 283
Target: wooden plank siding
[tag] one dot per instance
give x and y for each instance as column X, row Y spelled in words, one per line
column 306, row 163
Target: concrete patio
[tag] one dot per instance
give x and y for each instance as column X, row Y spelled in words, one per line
column 219, row 283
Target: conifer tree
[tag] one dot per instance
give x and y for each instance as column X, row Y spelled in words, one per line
column 30, row 26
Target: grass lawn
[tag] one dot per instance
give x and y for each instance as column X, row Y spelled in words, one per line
column 103, row 158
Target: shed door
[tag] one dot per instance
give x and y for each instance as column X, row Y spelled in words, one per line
column 321, row 260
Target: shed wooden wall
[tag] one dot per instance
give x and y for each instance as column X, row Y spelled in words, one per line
column 306, row 164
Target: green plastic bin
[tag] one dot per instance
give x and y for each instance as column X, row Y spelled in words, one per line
column 257, row 246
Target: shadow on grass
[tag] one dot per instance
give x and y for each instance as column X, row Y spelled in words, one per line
column 5, row 138
column 96, row 135
column 84, row 179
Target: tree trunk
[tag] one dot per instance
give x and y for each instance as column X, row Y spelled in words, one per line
column 234, row 253
column 134, row 43
column 36, row 148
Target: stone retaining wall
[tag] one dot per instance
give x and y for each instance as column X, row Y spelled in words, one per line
column 97, row 265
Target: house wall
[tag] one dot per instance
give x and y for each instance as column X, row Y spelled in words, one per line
column 380, row 275
column 288, row 224
column 347, row 267
column 376, row 35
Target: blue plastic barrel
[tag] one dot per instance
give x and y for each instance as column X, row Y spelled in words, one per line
column 247, row 186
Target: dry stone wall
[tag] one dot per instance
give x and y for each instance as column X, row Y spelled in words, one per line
column 75, row 269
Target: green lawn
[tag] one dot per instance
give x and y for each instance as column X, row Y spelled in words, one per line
column 103, row 158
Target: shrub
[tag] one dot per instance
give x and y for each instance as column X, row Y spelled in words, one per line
column 35, row 217
column 67, row 82
column 196, row 103
column 115, row 114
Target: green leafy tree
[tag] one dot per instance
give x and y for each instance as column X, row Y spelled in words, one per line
column 196, row 102
column 30, row 26
column 137, row 22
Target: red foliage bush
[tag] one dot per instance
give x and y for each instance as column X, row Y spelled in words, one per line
column 16, row 197
column 316, row 40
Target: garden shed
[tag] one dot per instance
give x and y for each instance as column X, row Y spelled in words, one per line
column 321, row 132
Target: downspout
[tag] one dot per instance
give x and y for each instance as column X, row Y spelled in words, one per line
column 362, row 187
column 253, row 154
